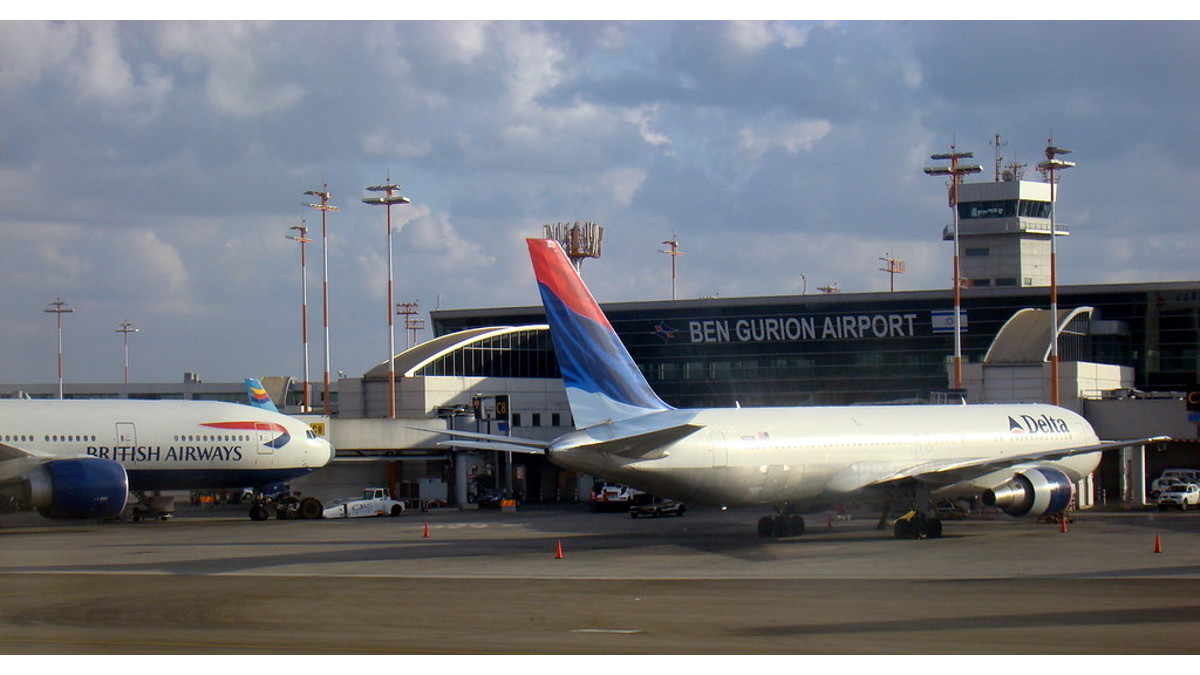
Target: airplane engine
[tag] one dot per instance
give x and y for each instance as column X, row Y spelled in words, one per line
column 1034, row 492
column 79, row 488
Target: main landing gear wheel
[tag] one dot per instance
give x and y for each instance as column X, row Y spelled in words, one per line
column 774, row 527
column 917, row 526
column 259, row 512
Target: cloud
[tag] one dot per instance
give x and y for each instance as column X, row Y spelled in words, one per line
column 31, row 49
column 757, row 35
column 239, row 61
column 151, row 169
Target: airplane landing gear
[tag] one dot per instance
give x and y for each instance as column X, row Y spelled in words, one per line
column 914, row 525
column 782, row 525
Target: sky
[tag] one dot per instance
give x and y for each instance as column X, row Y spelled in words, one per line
column 151, row 170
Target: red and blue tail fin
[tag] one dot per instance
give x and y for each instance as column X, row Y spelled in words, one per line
column 603, row 383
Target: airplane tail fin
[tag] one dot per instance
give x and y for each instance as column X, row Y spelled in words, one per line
column 603, row 383
column 259, row 398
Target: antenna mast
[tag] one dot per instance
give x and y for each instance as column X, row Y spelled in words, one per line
column 892, row 267
column 579, row 240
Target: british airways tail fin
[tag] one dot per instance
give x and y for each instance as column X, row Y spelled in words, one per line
column 259, row 398
column 603, row 383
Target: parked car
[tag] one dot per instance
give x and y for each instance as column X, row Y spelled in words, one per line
column 1173, row 477
column 494, row 499
column 1181, row 496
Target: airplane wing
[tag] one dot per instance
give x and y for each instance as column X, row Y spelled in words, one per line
column 13, row 452
column 950, row 471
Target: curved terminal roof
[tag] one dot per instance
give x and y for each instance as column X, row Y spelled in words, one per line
column 1023, row 338
column 411, row 361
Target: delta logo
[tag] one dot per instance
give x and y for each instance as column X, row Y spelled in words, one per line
column 663, row 331
column 1042, row 424
column 260, row 427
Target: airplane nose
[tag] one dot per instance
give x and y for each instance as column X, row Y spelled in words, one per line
column 323, row 453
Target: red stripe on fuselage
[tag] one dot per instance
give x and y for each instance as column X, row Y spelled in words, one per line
column 249, row 426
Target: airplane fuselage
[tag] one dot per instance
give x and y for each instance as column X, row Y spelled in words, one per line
column 168, row 445
column 803, row 455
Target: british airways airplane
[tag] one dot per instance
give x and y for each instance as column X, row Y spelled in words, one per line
column 1024, row 459
column 79, row 459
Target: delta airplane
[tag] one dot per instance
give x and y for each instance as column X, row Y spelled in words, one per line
column 77, row 459
column 1024, row 459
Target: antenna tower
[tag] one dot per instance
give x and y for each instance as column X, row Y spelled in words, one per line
column 892, row 267
column 579, row 240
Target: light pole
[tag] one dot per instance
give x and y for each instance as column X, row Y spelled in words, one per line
column 125, row 328
column 324, row 208
column 1049, row 167
column 301, row 236
column 410, row 310
column 387, row 200
column 956, row 171
column 58, row 308
column 674, row 252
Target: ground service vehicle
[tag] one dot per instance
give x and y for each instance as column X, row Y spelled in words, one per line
column 374, row 502
column 656, row 507
column 1181, row 496
column 613, row 497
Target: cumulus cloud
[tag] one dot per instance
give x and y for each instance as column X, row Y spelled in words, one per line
column 231, row 57
column 756, row 35
column 31, row 49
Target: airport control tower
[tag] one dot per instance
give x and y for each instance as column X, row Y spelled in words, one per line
column 1005, row 231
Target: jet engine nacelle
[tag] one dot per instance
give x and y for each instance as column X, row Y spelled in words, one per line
column 1033, row 492
column 79, row 488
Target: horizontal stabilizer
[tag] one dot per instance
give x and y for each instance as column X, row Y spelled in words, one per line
column 496, row 442
column 499, row 438
column 650, row 445
column 495, row 446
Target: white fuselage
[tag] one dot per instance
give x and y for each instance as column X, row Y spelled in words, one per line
column 166, row 445
column 803, row 455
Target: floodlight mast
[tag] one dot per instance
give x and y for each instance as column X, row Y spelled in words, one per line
column 674, row 252
column 387, row 200
column 301, row 237
column 58, row 308
column 125, row 328
column 1049, row 167
column 324, row 208
column 956, row 171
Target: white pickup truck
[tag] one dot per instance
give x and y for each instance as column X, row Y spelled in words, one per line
column 374, row 502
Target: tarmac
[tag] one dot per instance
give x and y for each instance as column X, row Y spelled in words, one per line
column 561, row 580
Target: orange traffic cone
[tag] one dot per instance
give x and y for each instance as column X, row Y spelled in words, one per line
column 558, row 554
column 425, row 534
column 1062, row 527
column 1157, row 544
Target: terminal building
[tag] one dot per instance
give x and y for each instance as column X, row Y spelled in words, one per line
column 1129, row 354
